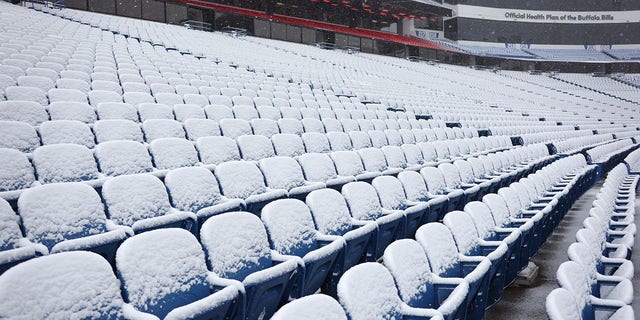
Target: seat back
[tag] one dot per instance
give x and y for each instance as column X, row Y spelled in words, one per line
column 330, row 211
column 362, row 200
column 216, row 150
column 290, row 227
column 171, row 153
column 240, row 179
column 192, row 189
column 169, row 263
column 235, row 244
column 390, row 192
column 255, row 147
column 464, row 231
column 56, row 212
column 64, row 163
column 66, row 131
column 434, row 179
column 282, row 173
column 339, row 141
column 414, row 186
column 409, row 266
column 123, row 157
column 499, row 209
column 313, row 307
column 482, row 218
column 367, row 291
column 451, row 175
column 317, row 167
column 561, row 304
column 347, row 163
column 288, row 145
column 11, row 234
column 65, row 285
column 373, row 159
column 316, row 142
column 440, row 247
column 18, row 135
column 16, row 171
column 132, row 198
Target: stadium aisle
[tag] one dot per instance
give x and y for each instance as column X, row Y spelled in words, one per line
column 529, row 302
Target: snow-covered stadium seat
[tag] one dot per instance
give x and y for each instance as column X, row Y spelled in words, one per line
column 64, row 163
column 66, row 131
column 149, row 262
column 216, row 150
column 18, row 135
column 318, row 167
column 120, row 157
column 267, row 278
column 312, row 307
column 291, row 232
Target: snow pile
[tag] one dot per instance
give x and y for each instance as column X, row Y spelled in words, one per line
column 192, row 189
column 330, row 212
column 239, row 179
column 162, row 270
column 69, row 285
column 15, row 170
column 64, row 163
column 109, row 130
column 363, row 200
column 255, row 147
column 25, row 111
column 282, row 173
column 72, row 111
column 171, row 153
column 66, row 131
column 57, row 212
column 18, row 135
column 288, row 145
column 367, row 291
column 197, row 128
column 290, row 227
column 216, row 150
column 123, row 157
column 133, row 198
column 236, row 244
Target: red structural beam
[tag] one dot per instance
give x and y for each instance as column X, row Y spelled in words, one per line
column 360, row 32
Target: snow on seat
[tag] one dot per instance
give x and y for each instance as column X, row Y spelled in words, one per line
column 79, row 111
column 453, row 181
column 349, row 163
column 136, row 98
column 339, row 141
column 197, row 128
column 447, row 262
column 16, row 172
column 66, row 131
column 312, row 307
column 148, row 111
column 285, row 173
column 374, row 160
column 289, row 125
column 63, row 286
column 266, row 110
column 233, row 128
column 116, row 111
column 315, row 142
column 589, row 254
column 64, row 163
column 109, row 130
column 364, row 205
column 244, row 180
column 255, row 147
column 196, row 190
column 164, row 273
column 597, row 290
column 368, row 291
column 96, row 97
column 288, row 145
column 69, row 217
column 172, row 153
column 67, row 95
column 332, row 125
column 183, row 112
column 437, row 187
column 470, row 242
column 119, row 157
column 318, row 167
column 169, row 99
column 392, row 197
column 216, row 150
column 265, row 127
column 100, row 85
column 245, row 112
column 266, row 278
column 378, row 138
column 142, row 203
column 418, row 286
column 332, row 218
column 291, row 232
column 32, row 94
column 19, row 136
column 162, row 128
column 218, row 112
column 42, row 83
column 14, row 248
column 312, row 125
column 26, row 111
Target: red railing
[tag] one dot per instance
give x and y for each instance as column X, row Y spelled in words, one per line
column 365, row 33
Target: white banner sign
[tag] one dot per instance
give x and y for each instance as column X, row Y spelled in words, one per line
column 538, row 16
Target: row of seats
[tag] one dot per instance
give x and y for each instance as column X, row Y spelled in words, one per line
column 632, row 161
column 596, row 282
column 428, row 272
column 610, row 154
column 360, row 241
column 67, row 162
column 579, row 144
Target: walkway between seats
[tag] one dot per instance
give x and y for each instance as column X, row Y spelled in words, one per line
column 529, row 302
